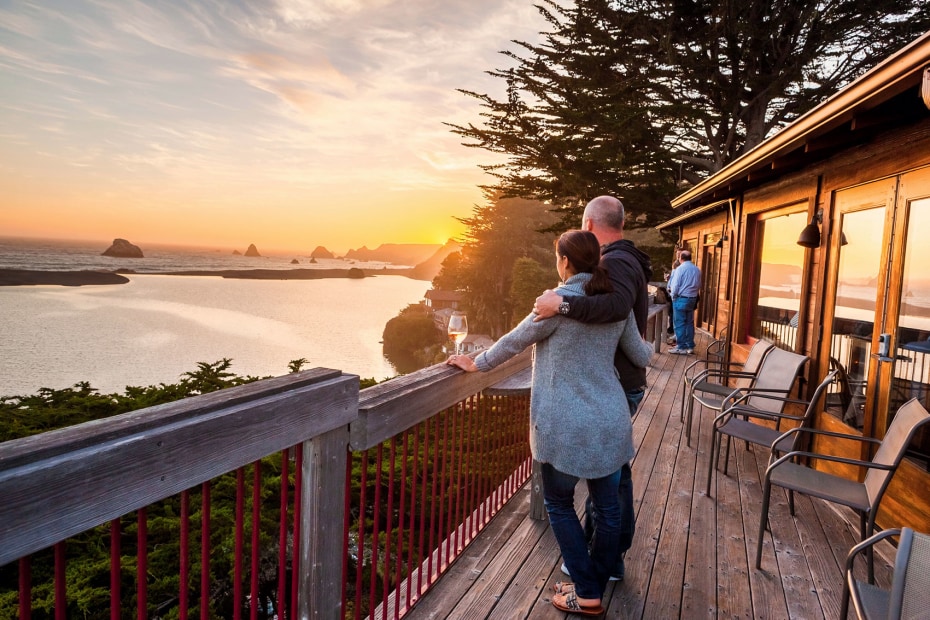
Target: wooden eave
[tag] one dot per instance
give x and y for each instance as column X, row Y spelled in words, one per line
column 855, row 114
column 707, row 209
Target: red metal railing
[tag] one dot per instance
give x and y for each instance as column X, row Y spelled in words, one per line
column 160, row 551
column 155, row 513
column 417, row 500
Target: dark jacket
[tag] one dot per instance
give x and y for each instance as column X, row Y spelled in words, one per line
column 630, row 270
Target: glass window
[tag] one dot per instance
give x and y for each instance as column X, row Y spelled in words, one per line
column 911, row 377
column 854, row 314
column 780, row 271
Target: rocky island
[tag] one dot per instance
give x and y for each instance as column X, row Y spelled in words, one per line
column 123, row 249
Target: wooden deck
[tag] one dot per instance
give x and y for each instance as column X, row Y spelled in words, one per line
column 692, row 556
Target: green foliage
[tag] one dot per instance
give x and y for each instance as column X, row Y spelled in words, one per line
column 49, row 409
column 88, row 554
column 297, row 365
column 637, row 98
column 529, row 280
column 499, row 232
column 411, row 338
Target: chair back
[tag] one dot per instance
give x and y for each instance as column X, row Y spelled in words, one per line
column 910, row 416
column 753, row 361
column 843, row 394
column 812, row 404
column 777, row 374
column 716, row 352
column 910, row 589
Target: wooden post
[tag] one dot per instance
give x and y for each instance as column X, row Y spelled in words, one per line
column 537, row 505
column 321, row 528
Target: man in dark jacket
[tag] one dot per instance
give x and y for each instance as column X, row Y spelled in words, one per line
column 630, row 270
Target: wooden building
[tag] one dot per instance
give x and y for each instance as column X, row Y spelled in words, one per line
column 852, row 175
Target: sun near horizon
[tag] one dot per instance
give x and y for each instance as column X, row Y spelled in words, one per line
column 326, row 126
column 290, row 230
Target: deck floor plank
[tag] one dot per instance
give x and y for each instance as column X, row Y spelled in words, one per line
column 693, row 555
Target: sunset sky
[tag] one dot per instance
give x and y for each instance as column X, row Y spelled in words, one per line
column 284, row 123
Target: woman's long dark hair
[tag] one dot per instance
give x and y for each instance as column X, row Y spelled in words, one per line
column 582, row 250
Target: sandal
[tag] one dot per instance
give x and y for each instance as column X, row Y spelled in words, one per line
column 568, row 602
column 563, row 587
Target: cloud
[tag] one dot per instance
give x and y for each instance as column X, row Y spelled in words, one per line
column 271, row 95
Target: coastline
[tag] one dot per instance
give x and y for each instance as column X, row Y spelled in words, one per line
column 28, row 277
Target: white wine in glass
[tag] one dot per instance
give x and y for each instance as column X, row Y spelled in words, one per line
column 458, row 329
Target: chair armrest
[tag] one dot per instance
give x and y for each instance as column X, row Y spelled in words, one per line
column 868, row 542
column 820, row 431
column 750, row 392
column 819, row 455
column 751, row 412
column 724, row 372
column 771, row 394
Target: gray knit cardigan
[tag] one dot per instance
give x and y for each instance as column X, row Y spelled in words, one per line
column 579, row 418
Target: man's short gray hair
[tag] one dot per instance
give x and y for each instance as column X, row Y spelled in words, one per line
column 605, row 211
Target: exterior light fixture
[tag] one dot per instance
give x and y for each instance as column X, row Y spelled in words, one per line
column 810, row 236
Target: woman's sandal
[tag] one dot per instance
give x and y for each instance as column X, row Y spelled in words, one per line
column 568, row 602
column 563, row 587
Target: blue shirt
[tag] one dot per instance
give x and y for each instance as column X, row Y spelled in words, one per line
column 685, row 280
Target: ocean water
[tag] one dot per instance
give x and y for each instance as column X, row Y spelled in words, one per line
column 157, row 327
column 59, row 255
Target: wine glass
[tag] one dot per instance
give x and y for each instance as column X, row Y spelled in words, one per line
column 458, row 329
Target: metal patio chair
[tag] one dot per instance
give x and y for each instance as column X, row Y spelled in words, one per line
column 711, row 386
column 736, row 422
column 790, row 473
column 909, row 596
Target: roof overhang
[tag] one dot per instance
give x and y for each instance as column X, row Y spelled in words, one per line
column 696, row 212
column 847, row 111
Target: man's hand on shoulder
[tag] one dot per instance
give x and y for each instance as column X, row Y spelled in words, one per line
column 547, row 305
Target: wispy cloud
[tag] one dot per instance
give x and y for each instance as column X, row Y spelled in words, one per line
column 302, row 94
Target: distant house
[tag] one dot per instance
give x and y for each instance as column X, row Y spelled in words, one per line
column 472, row 344
column 438, row 299
column 441, row 318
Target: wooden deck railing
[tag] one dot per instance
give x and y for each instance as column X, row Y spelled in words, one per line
column 208, row 455
column 100, row 477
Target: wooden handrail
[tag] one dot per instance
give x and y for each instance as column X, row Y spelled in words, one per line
column 61, row 483
column 64, row 482
column 394, row 406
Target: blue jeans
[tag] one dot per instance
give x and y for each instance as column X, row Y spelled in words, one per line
column 589, row 571
column 684, row 321
column 625, row 497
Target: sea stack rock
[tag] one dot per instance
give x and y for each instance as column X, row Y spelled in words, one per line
column 123, row 249
column 294, row 261
column 252, row 251
column 321, row 252
column 237, row 253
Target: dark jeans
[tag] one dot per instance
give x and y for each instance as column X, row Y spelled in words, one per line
column 625, row 496
column 684, row 321
column 589, row 570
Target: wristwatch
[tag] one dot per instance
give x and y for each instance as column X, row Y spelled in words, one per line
column 563, row 307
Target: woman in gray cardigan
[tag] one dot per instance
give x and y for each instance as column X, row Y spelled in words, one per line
column 579, row 421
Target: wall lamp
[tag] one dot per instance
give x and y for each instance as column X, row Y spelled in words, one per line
column 810, row 236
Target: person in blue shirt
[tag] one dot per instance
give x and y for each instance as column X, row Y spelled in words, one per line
column 684, row 285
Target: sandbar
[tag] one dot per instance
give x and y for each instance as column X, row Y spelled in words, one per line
column 29, row 277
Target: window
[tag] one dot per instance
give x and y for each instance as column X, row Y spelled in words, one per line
column 778, row 276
